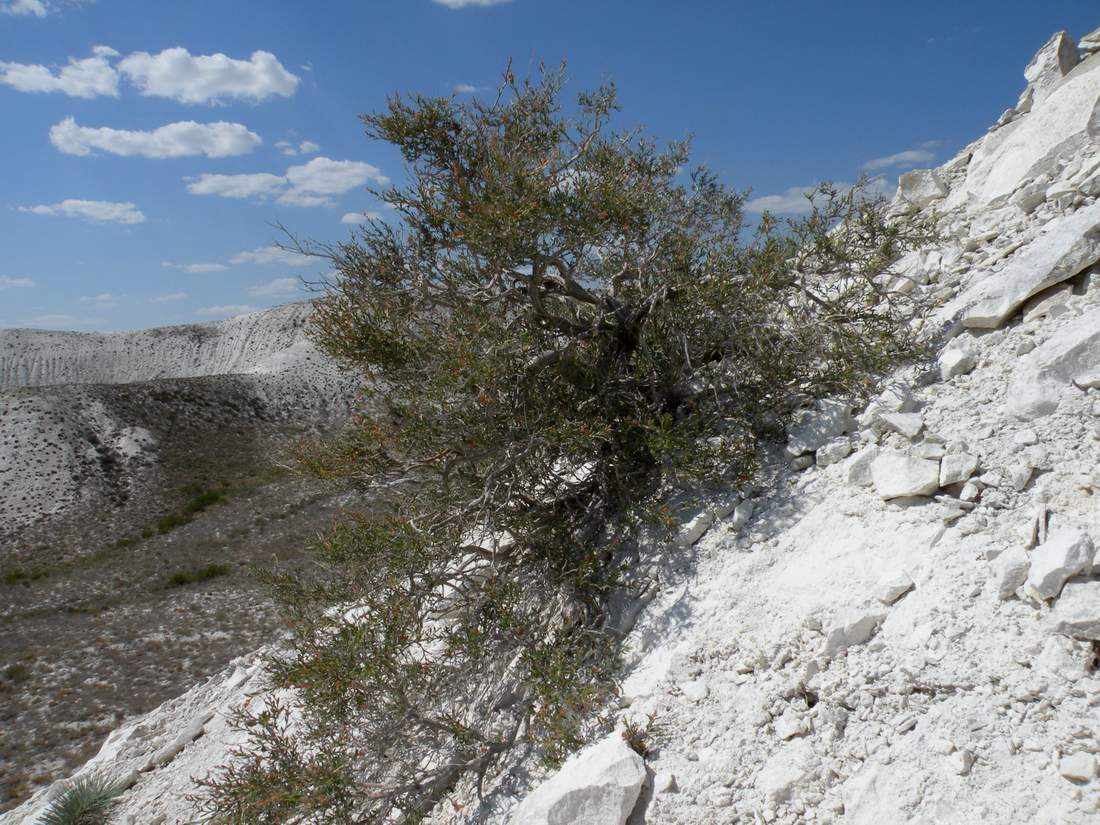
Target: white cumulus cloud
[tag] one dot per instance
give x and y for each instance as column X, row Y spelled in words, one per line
column 175, row 140
column 194, row 269
column 259, row 185
column 267, row 255
column 89, row 77
column 226, row 310
column 311, row 184
column 15, row 283
column 275, row 288
column 213, row 78
column 33, row 8
column 97, row 211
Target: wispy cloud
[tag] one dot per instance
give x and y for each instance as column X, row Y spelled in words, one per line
column 194, row 269
column 96, row 211
column 795, row 200
column 275, row 288
column 311, row 184
column 354, row 218
column 462, row 4
column 15, row 283
column 268, row 255
column 906, row 159
column 466, row 88
column 305, row 147
column 104, row 300
column 58, row 320
column 175, row 140
column 169, row 297
column 226, row 310
column 31, row 8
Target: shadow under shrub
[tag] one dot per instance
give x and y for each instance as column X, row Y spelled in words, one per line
column 562, row 325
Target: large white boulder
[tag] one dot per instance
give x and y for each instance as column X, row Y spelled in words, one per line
column 921, row 187
column 896, row 474
column 1066, row 552
column 1057, row 126
column 1051, row 63
column 1077, row 611
column 1071, row 356
column 851, row 626
column 1065, row 247
column 598, row 786
column 785, row 771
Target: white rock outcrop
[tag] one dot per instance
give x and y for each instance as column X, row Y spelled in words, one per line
column 598, row 786
column 1056, row 127
column 1066, row 247
column 1077, row 611
column 1066, row 552
column 896, row 475
column 1068, row 360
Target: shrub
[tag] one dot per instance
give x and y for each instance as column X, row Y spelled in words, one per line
column 182, row 578
column 562, row 328
column 85, row 801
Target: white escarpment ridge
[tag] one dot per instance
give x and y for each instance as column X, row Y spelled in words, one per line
column 903, row 625
column 258, row 343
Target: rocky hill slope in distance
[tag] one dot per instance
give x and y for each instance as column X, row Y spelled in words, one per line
column 141, row 475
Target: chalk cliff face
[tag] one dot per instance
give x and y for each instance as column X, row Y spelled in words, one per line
column 66, row 438
column 902, row 623
column 264, row 342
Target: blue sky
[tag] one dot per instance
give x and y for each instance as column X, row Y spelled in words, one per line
column 146, row 148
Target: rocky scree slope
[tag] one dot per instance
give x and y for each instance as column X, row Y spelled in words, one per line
column 903, row 623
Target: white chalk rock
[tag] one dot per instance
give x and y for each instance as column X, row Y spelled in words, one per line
column 896, row 474
column 1077, row 611
column 1071, row 356
column 1050, row 64
column 907, row 424
column 858, row 468
column 1078, row 767
column 1066, row 552
column 598, row 786
column 1065, row 247
column 921, row 187
column 833, row 452
column 694, row 529
column 1010, row 571
column 1019, row 152
column 788, row 767
column 892, row 587
column 956, row 468
column 851, row 627
column 813, row 429
column 955, row 361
